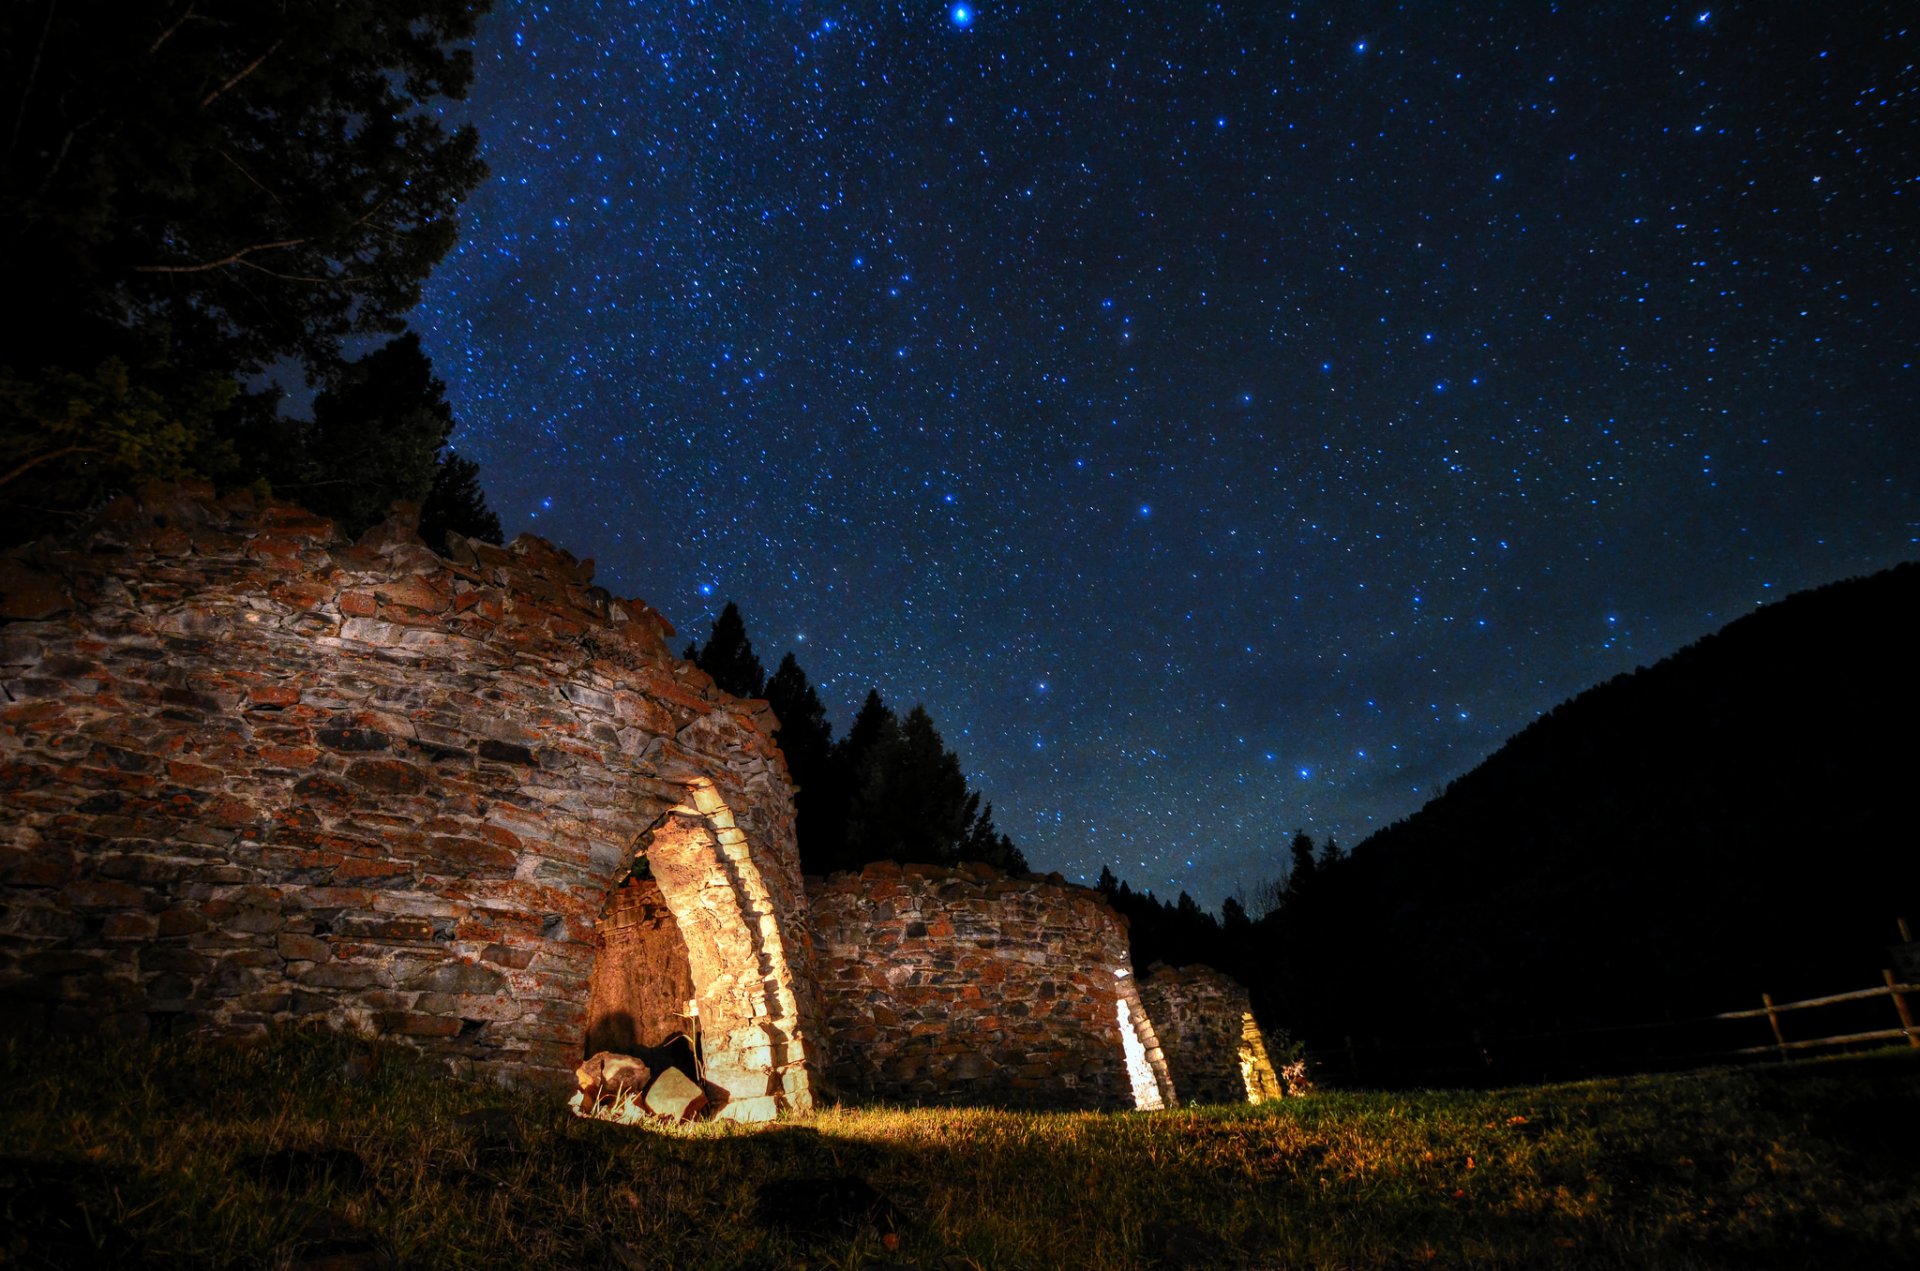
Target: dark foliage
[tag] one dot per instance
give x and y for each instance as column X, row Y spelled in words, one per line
column 374, row 437
column 889, row 790
column 194, row 194
column 728, row 656
column 1179, row 932
column 909, row 797
column 806, row 739
column 455, row 503
column 981, row 840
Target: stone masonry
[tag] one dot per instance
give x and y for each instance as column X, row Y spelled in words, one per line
column 643, row 977
column 252, row 774
column 1206, row 1027
column 968, row 986
column 255, row 774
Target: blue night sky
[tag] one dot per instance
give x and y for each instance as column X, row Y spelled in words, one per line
column 1227, row 419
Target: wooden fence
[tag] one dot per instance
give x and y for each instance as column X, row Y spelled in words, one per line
column 1566, row 1054
column 1772, row 1010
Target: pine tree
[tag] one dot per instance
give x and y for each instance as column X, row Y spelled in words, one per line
column 728, row 656
column 1300, row 878
column 910, row 803
column 1108, row 886
column 982, row 841
column 192, row 194
column 828, row 846
column 1233, row 916
column 240, row 182
column 806, row 739
column 456, row 504
column 869, row 725
column 375, row 437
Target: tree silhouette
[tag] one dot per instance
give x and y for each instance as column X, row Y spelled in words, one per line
column 981, row 840
column 806, row 739
column 455, row 503
column 195, row 194
column 1303, row 868
column 728, row 656
column 375, row 437
column 910, row 797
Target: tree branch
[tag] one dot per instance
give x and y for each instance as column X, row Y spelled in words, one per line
column 166, row 34
column 22, row 469
column 237, row 258
column 274, row 273
column 244, row 71
column 241, row 168
column 33, row 74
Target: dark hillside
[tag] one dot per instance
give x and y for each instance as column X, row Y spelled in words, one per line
column 1735, row 819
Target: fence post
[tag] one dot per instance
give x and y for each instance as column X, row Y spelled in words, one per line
column 1906, row 1012
column 1773, row 1018
column 1353, row 1061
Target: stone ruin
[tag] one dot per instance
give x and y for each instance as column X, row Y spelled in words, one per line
column 1215, row 1053
column 967, row 986
column 254, row 774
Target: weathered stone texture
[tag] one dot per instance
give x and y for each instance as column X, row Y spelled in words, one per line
column 642, row 979
column 253, row 773
column 968, row 986
column 1213, row 1046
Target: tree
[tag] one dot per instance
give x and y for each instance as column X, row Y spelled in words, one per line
column 1233, row 916
column 68, row 439
column 239, row 182
column 728, row 656
column 1108, row 886
column 456, row 503
column 375, row 436
column 198, row 192
column 910, row 797
column 981, row 840
column 869, row 725
column 1300, row 877
column 806, row 739
column 827, row 844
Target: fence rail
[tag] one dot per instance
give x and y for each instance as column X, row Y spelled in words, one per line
column 1349, row 1057
column 1772, row 1009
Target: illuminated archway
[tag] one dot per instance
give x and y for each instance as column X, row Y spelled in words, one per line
column 693, row 919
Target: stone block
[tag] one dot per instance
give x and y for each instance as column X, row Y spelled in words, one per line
column 457, row 977
column 415, row 1024
column 303, row 948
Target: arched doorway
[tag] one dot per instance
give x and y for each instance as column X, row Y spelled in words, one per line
column 689, row 934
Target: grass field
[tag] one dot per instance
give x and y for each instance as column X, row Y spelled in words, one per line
column 303, row 1152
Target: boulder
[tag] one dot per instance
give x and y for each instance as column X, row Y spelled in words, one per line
column 607, row 1076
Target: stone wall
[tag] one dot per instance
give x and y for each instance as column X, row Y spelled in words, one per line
column 254, row 774
column 968, row 986
column 1212, row 1044
column 642, row 979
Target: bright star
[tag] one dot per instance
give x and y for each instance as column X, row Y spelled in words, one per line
column 961, row 15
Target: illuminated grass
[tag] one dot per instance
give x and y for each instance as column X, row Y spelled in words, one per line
column 193, row 1155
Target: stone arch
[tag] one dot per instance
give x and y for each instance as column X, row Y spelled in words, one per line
column 696, row 864
column 1147, row 1074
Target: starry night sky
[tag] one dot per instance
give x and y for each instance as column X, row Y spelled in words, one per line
column 1227, row 419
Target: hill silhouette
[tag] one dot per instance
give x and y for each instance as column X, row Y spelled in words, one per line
column 1737, row 818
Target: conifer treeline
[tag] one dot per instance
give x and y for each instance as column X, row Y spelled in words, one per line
column 1178, row 932
column 890, row 789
